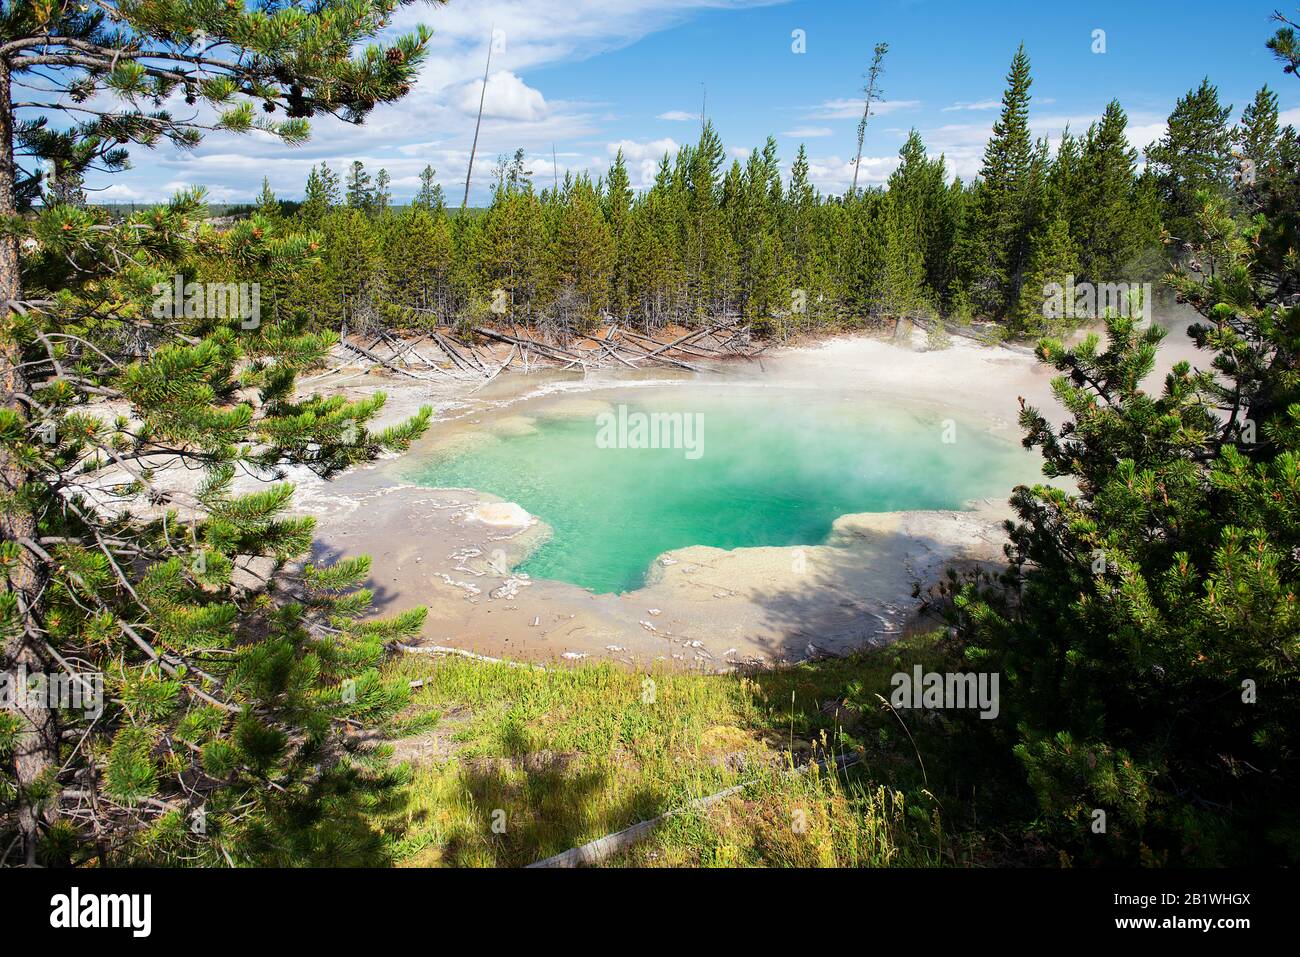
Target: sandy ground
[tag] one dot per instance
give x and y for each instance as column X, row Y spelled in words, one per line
column 702, row 607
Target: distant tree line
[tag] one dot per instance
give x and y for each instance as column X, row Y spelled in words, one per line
column 707, row 240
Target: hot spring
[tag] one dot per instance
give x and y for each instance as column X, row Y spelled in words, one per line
column 623, row 475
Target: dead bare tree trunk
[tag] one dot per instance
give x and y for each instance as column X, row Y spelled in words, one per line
column 872, row 94
column 482, row 95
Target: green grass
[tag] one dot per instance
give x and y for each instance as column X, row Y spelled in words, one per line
column 511, row 765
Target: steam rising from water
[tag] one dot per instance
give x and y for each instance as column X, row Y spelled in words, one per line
column 778, row 466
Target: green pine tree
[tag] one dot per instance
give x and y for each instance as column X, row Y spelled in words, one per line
column 1053, row 264
column 430, row 195
column 618, row 213
column 583, row 258
column 360, row 192
column 1148, row 627
column 919, row 186
column 1258, row 136
column 315, row 203
column 223, row 694
column 996, row 241
column 1107, row 228
column 1193, row 155
column 267, row 205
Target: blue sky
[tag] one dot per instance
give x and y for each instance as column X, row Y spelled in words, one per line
column 584, row 77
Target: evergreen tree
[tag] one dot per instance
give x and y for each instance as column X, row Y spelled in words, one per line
column 360, row 194
column 919, row 186
column 330, row 190
column 618, row 213
column 1053, row 264
column 67, row 156
column 1149, row 625
column 903, row 280
column 861, row 266
column 315, row 202
column 1258, row 135
column 705, row 238
column 1109, row 233
column 430, row 196
column 997, row 239
column 352, row 270
column 418, row 255
column 382, row 195
column 512, row 253
column 800, row 198
column 756, row 237
column 1193, row 155
column 584, row 256
column 267, row 205
column 656, row 249
column 222, row 694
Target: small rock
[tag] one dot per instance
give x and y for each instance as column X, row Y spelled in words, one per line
column 501, row 513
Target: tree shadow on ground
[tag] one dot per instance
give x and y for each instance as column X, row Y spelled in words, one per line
column 323, row 554
column 526, row 815
column 833, row 608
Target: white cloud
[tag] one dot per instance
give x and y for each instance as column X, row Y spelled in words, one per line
column 831, row 174
column 1289, row 117
column 809, row 132
column 679, row 116
column 531, row 34
column 643, row 158
column 962, row 144
column 1142, row 135
column 507, row 98
column 846, row 109
column 118, row 193
column 444, row 98
column 977, row 105
column 651, row 149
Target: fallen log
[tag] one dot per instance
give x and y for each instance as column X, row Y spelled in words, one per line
column 555, row 352
column 462, row 653
column 677, row 345
column 452, row 352
column 605, row 847
column 362, row 350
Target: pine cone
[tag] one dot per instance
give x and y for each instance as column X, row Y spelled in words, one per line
column 394, row 55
